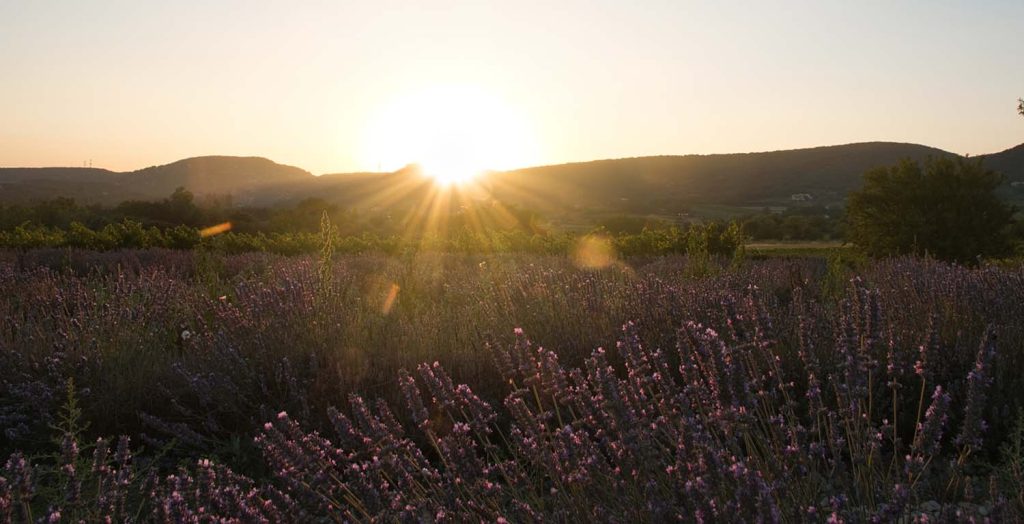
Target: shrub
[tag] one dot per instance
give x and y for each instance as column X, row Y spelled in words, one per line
column 947, row 209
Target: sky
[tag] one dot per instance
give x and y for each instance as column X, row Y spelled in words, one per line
column 336, row 86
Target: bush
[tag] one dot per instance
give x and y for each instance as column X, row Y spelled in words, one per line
column 947, row 208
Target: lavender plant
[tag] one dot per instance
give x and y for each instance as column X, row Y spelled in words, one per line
column 749, row 391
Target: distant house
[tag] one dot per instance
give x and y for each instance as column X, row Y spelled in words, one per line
column 1017, row 184
column 801, row 197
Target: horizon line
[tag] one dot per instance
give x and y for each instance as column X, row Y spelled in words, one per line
column 521, row 168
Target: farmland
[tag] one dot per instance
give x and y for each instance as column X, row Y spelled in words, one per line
column 172, row 385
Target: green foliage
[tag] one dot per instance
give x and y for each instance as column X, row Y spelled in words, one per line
column 179, row 208
column 171, row 224
column 947, row 208
column 26, row 237
column 181, row 237
column 70, row 422
column 209, row 266
column 81, row 237
column 698, row 251
column 834, row 283
column 811, row 223
column 724, row 239
column 701, row 240
column 1012, row 470
column 734, row 237
column 648, row 241
column 325, row 269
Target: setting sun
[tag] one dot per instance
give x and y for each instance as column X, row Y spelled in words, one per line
column 453, row 133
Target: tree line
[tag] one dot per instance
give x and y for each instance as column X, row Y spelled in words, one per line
column 713, row 238
column 945, row 207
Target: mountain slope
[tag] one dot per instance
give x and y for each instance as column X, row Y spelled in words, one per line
column 661, row 184
column 244, row 177
column 1010, row 163
column 637, row 184
column 26, row 184
column 215, row 174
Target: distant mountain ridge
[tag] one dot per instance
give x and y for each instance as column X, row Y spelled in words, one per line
column 245, row 177
column 636, row 185
column 216, row 174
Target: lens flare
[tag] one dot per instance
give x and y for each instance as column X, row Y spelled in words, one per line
column 594, row 252
column 389, row 300
column 215, row 230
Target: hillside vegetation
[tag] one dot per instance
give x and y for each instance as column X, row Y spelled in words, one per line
column 663, row 184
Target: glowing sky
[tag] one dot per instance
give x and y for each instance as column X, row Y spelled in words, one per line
column 135, row 83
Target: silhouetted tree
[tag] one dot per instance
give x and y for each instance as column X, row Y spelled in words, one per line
column 179, row 208
column 948, row 209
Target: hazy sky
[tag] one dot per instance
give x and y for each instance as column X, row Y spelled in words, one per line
column 135, row 83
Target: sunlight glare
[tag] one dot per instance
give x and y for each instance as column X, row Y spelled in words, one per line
column 454, row 133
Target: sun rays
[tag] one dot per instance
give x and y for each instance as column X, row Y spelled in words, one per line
column 452, row 133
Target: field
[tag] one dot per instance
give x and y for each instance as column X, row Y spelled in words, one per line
column 189, row 386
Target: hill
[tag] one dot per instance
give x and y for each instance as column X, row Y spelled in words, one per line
column 643, row 185
column 672, row 184
column 1011, row 164
column 245, row 178
column 240, row 176
column 31, row 184
column 668, row 183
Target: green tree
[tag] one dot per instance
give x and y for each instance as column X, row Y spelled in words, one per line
column 180, row 208
column 947, row 208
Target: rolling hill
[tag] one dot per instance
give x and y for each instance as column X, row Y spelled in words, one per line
column 667, row 182
column 660, row 184
column 216, row 175
column 246, row 178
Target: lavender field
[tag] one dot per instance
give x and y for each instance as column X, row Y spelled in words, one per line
column 197, row 387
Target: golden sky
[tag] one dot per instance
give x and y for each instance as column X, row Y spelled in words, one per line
column 334, row 86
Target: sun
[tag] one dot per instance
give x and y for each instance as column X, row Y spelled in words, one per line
column 454, row 133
